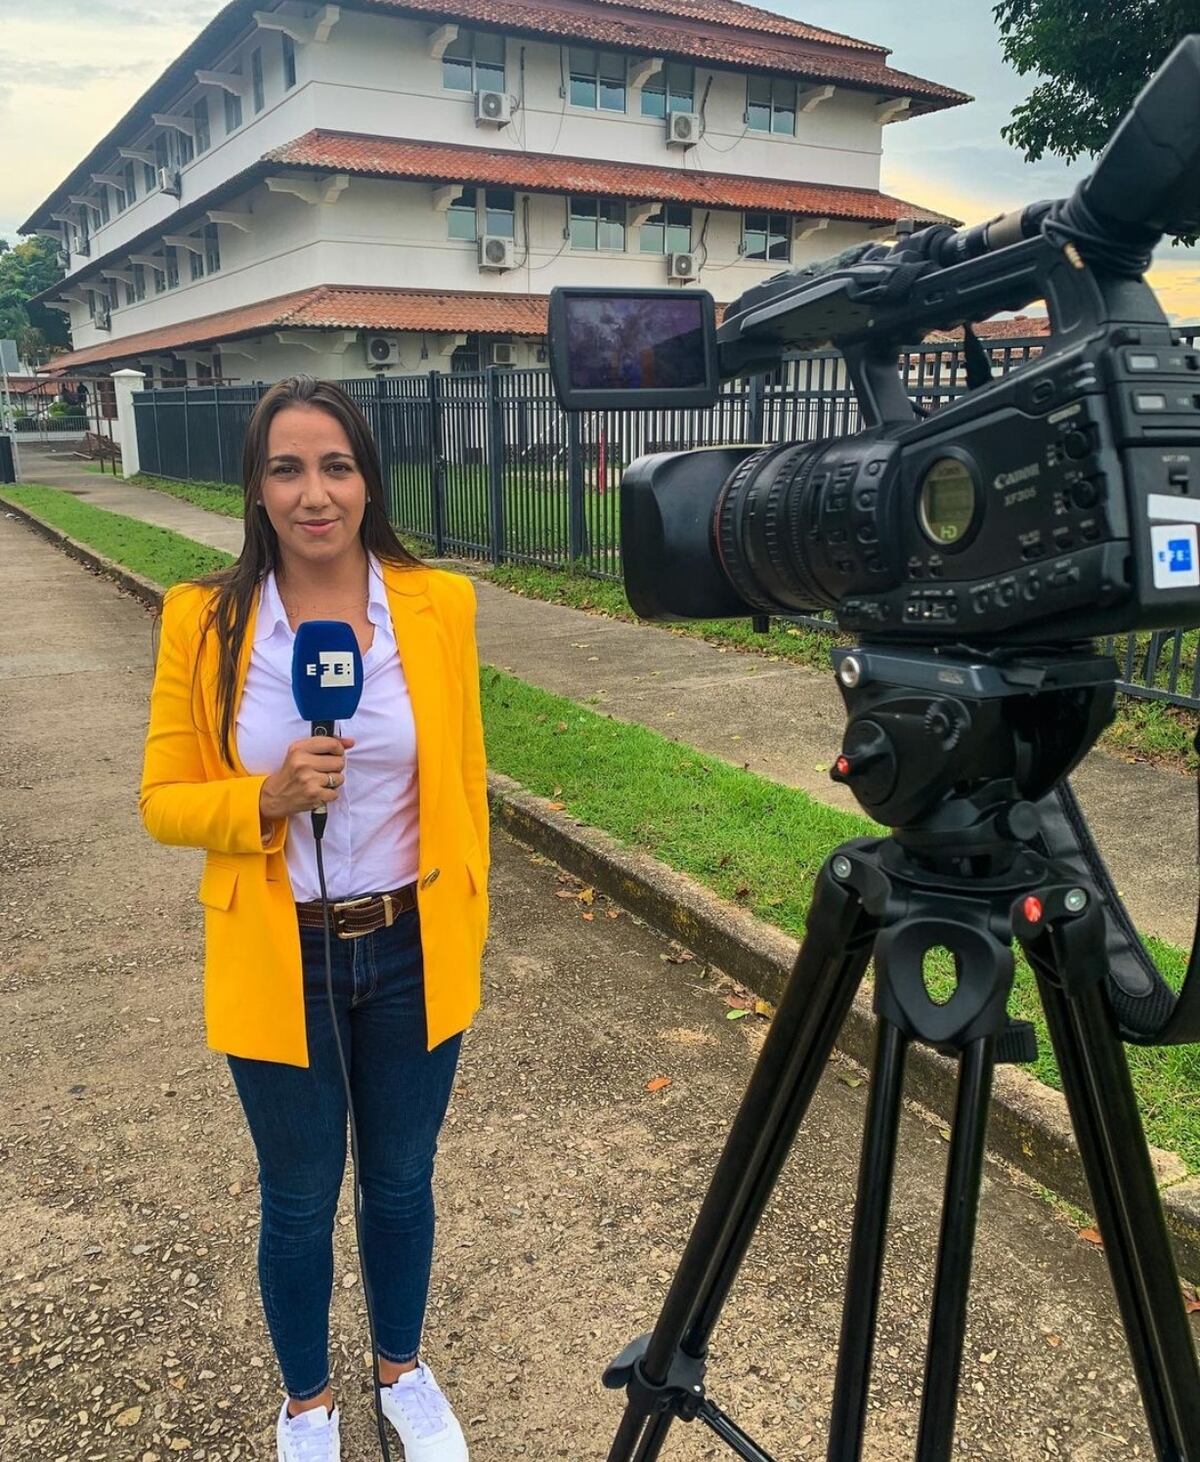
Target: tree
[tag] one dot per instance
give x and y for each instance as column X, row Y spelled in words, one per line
column 1096, row 55
column 27, row 269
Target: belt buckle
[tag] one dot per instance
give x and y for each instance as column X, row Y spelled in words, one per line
column 338, row 909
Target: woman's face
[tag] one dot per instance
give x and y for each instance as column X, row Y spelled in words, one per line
column 313, row 492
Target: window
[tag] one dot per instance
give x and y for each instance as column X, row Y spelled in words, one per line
column 669, row 231
column 172, row 269
column 160, row 279
column 204, row 373
column 467, row 357
column 289, row 63
column 597, row 223
column 129, row 172
column 149, row 177
column 139, row 282
column 120, row 198
column 500, row 212
column 771, row 105
column 197, row 264
column 597, row 80
column 766, row 236
column 474, row 61
column 461, row 219
column 164, row 154
column 203, row 127
column 103, row 202
column 673, row 89
column 91, row 304
column 256, row 80
column 185, row 148
column 212, row 249
column 233, row 111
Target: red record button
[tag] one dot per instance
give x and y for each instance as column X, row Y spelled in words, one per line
column 1032, row 908
column 843, row 766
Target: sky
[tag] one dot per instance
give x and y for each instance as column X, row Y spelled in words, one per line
column 69, row 69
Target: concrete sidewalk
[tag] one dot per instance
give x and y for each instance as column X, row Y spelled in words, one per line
column 565, row 1188
column 783, row 721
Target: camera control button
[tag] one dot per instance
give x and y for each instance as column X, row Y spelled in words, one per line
column 1079, row 444
column 874, row 468
column 1062, row 539
column 866, row 500
column 866, row 533
column 1006, row 593
column 1086, row 494
column 1032, row 588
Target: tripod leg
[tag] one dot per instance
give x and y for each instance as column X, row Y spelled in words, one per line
column 864, row 1273
column 948, row 1322
column 828, row 971
column 1095, row 1077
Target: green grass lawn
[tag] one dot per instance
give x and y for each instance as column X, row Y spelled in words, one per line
column 156, row 553
column 749, row 839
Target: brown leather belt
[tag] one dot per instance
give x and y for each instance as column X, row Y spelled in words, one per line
column 353, row 918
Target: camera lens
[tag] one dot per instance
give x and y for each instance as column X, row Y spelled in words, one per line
column 948, row 501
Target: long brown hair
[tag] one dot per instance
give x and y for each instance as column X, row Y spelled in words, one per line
column 237, row 585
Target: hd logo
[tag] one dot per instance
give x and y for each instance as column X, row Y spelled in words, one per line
column 1176, row 556
column 336, row 670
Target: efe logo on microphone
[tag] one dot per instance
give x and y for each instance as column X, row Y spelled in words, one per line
column 336, row 669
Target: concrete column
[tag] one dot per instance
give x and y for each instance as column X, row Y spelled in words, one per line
column 125, row 383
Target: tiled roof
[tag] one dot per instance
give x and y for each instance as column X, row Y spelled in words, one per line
column 386, row 157
column 1019, row 327
column 744, row 17
column 715, row 42
column 332, row 307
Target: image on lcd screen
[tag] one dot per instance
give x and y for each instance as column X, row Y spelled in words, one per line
column 622, row 344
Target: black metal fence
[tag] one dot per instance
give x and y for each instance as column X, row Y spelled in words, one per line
column 485, row 465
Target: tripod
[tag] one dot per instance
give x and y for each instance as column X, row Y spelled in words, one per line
column 966, row 760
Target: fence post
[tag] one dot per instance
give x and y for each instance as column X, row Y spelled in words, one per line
column 495, row 458
column 437, row 464
column 576, row 516
column 125, row 383
column 187, row 434
column 756, row 409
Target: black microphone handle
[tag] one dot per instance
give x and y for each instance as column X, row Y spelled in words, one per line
column 321, row 728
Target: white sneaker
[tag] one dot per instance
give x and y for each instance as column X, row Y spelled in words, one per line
column 428, row 1428
column 313, row 1436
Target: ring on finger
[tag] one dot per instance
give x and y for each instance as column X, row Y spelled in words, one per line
column 331, row 782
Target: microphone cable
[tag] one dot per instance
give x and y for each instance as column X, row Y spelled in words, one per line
column 380, row 1420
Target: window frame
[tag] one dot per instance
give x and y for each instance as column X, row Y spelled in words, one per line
column 664, row 89
column 212, row 249
column 774, row 108
column 289, row 62
column 472, row 35
column 234, row 112
column 258, row 81
column 769, row 234
column 598, row 205
column 202, row 120
column 171, row 257
column 596, row 76
column 665, row 249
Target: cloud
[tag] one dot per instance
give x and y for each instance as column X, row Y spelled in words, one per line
column 116, row 12
column 62, row 75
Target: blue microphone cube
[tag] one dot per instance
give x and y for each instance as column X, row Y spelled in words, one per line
column 327, row 671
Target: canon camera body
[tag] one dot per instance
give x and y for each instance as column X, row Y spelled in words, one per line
column 1056, row 503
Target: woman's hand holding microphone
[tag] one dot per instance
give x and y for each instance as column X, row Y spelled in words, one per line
column 310, row 778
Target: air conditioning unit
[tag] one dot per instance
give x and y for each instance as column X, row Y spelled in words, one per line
column 493, row 108
column 103, row 320
column 683, row 266
column 382, row 350
column 503, row 354
column 684, row 129
column 170, row 182
column 496, row 253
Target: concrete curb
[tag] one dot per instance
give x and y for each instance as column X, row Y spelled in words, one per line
column 1029, row 1125
column 149, row 593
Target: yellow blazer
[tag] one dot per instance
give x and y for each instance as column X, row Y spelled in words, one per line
column 253, row 986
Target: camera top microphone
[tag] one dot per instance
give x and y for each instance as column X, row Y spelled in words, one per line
column 327, row 681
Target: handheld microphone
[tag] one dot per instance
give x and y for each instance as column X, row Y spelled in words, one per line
column 327, row 681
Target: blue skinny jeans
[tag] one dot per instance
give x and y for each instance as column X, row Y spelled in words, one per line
column 297, row 1119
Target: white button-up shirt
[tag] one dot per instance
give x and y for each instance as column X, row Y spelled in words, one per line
column 371, row 841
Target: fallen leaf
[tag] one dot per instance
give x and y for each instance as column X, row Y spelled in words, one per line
column 1091, row 1236
column 565, row 893
column 821, row 766
column 557, row 806
column 765, row 1009
column 660, row 1083
column 1055, row 1340
column 678, row 957
column 591, row 918
column 612, row 913
column 736, row 1014
column 1192, row 1307
column 851, row 1081
column 742, row 891
column 587, row 896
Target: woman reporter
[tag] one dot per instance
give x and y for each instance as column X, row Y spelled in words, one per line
column 231, row 768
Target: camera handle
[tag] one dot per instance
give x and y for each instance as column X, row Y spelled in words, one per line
column 968, row 877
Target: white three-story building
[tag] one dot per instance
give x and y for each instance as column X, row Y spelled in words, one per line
column 398, row 184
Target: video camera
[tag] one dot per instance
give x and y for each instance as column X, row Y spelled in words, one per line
column 1057, row 503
